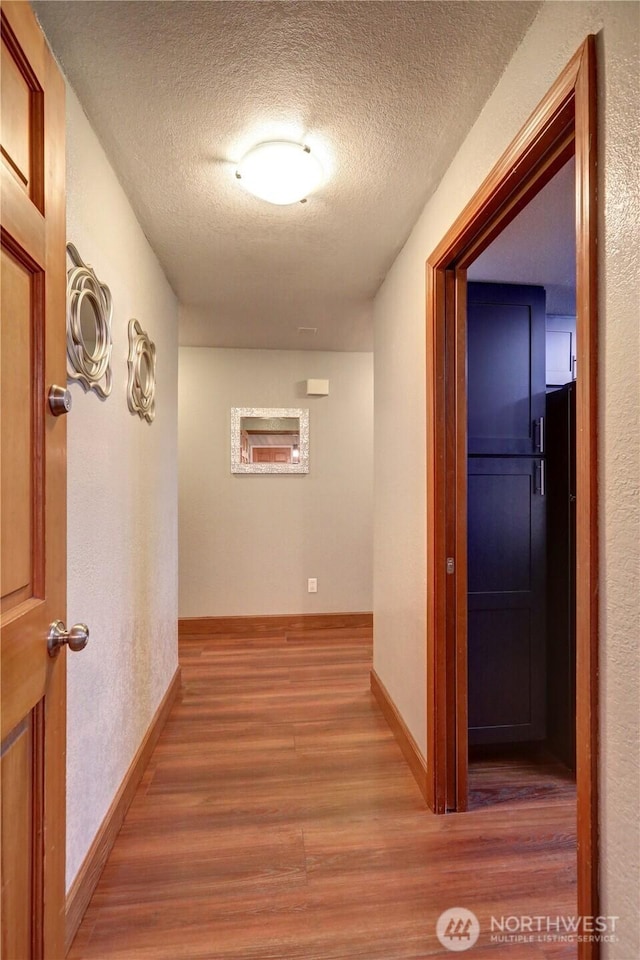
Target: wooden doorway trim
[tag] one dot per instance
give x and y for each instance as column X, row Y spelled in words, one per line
column 563, row 124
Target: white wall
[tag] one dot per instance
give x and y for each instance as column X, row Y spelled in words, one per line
column 399, row 563
column 122, row 505
column 248, row 543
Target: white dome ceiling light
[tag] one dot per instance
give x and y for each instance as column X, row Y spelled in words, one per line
column 280, row 172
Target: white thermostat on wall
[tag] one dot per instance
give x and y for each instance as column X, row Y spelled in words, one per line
column 317, row 388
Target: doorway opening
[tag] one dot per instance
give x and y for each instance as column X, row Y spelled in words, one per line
column 563, row 126
column 521, row 384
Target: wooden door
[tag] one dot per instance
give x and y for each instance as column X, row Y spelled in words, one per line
column 506, row 368
column 506, row 612
column 271, row 454
column 33, row 492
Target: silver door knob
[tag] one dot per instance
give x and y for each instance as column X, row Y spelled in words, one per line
column 77, row 637
column 59, row 400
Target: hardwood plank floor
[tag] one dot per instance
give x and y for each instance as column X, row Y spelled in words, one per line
column 278, row 820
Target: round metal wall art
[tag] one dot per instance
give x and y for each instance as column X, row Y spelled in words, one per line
column 89, row 312
column 141, row 387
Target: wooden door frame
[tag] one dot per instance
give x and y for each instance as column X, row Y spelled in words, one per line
column 564, row 124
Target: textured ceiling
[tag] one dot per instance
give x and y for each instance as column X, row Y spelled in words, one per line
column 384, row 92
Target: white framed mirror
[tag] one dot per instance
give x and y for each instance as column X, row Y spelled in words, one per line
column 269, row 440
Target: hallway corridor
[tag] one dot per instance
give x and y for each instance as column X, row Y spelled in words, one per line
column 278, row 820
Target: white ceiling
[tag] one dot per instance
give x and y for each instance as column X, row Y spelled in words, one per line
column 383, row 91
column 539, row 246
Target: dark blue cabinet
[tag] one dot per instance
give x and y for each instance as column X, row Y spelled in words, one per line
column 505, row 368
column 506, row 513
column 506, row 601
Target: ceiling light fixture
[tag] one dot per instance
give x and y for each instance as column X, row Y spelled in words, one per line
column 280, row 172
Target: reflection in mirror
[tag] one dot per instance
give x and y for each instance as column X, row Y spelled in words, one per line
column 145, row 372
column 269, row 440
column 88, row 324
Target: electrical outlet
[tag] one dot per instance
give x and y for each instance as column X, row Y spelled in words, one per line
column 312, row 585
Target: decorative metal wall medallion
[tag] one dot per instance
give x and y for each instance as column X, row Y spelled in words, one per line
column 89, row 310
column 141, row 388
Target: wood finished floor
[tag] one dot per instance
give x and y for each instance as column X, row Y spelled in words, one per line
column 278, row 820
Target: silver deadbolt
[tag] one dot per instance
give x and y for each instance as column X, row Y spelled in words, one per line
column 59, row 400
column 77, row 637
